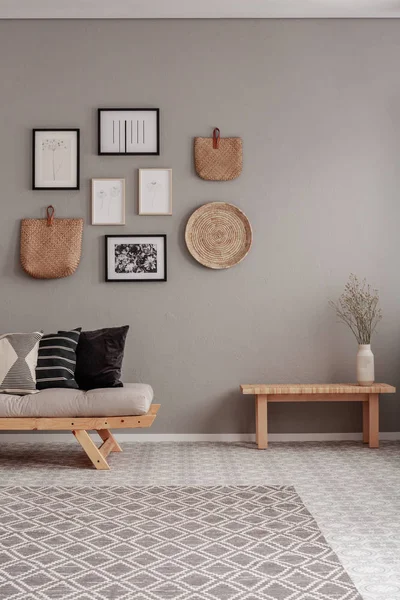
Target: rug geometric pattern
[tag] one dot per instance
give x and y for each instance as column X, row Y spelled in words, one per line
column 165, row 543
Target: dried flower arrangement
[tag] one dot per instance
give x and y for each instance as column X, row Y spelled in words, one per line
column 358, row 308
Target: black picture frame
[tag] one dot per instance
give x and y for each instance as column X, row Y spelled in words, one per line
column 78, row 151
column 109, row 279
column 102, row 153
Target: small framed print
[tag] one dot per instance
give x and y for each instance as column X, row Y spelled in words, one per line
column 108, row 201
column 155, row 191
column 133, row 131
column 136, row 257
column 55, row 159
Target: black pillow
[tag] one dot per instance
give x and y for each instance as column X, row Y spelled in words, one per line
column 99, row 358
column 56, row 360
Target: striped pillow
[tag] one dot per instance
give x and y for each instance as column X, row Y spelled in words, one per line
column 57, row 360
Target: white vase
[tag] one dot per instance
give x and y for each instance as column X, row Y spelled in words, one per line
column 365, row 365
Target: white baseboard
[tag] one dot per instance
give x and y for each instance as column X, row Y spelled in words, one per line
column 199, row 437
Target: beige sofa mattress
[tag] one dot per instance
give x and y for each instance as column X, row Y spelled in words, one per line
column 132, row 399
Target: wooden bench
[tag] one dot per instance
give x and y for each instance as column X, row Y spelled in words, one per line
column 339, row 392
column 80, row 426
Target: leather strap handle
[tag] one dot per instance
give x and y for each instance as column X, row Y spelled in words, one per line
column 216, row 138
column 50, row 215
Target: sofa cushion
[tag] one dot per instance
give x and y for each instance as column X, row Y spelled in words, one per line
column 132, row 399
column 18, row 358
column 57, row 360
column 99, row 358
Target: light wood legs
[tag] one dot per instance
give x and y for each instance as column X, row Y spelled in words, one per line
column 373, row 418
column 108, row 437
column 261, row 421
column 91, row 449
column 365, row 409
column 371, row 421
column 370, row 408
column 98, row 455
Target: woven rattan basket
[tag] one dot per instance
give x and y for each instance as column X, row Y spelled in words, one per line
column 218, row 159
column 218, row 235
column 51, row 248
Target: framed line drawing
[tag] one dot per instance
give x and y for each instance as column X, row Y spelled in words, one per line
column 155, row 191
column 136, row 257
column 55, row 159
column 129, row 131
column 108, row 201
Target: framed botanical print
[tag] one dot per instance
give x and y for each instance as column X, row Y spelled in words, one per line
column 155, row 191
column 108, row 201
column 136, row 257
column 55, row 159
column 133, row 131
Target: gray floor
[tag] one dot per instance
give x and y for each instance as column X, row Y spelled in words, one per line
column 352, row 491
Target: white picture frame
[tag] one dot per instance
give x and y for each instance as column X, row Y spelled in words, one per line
column 108, row 201
column 155, row 192
column 129, row 131
column 55, row 159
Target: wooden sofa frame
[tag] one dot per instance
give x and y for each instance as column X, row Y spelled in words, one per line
column 80, row 427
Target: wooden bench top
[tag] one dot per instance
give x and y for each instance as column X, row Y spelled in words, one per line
column 316, row 388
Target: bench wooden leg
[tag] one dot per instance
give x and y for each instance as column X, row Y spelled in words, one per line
column 365, row 409
column 261, row 421
column 110, row 443
column 373, row 402
column 91, row 449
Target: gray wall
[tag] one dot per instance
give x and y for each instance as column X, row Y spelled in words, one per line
column 317, row 104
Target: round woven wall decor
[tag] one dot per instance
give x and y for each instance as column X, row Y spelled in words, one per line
column 218, row 235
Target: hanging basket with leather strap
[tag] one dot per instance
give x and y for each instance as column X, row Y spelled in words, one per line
column 51, row 248
column 218, row 159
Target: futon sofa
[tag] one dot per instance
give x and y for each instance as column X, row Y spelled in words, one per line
column 80, row 411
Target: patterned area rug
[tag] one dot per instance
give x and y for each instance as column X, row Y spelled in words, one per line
column 165, row 543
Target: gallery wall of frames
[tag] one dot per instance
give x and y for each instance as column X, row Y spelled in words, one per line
column 218, row 236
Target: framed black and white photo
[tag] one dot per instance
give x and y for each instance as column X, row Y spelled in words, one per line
column 136, row 257
column 155, row 191
column 108, row 201
column 55, row 159
column 133, row 131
